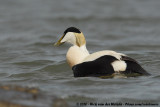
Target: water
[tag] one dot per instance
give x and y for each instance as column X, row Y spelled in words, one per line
column 28, row 29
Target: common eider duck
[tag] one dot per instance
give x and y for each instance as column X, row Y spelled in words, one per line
column 97, row 64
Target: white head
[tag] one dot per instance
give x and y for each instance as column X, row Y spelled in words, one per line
column 78, row 52
column 73, row 36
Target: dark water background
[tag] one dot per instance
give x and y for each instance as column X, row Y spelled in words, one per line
column 28, row 29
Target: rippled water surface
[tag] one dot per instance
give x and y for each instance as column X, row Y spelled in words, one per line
column 28, row 29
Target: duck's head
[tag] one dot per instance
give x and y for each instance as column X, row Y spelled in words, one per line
column 73, row 36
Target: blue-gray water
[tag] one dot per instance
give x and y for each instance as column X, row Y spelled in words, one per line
column 28, row 29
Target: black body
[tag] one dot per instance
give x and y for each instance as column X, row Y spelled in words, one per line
column 102, row 67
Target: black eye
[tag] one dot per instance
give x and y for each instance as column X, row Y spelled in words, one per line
column 72, row 29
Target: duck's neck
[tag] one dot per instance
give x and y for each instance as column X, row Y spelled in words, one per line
column 76, row 55
column 84, row 49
